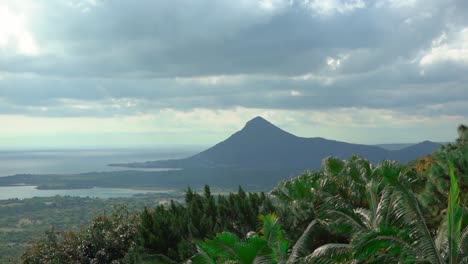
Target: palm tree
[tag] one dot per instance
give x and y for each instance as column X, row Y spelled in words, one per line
column 267, row 247
column 298, row 200
column 297, row 204
column 395, row 229
column 435, row 175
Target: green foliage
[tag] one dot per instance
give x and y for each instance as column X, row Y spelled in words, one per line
column 392, row 228
column 454, row 217
column 435, row 176
column 347, row 212
column 169, row 230
column 154, row 235
column 22, row 220
column 107, row 240
column 267, row 247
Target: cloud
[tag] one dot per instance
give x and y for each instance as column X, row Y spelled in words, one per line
column 162, row 39
column 14, row 34
column 330, row 7
column 296, row 93
column 206, row 126
column 444, row 50
column 113, row 60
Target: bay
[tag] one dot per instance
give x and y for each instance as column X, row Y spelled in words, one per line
column 76, row 161
column 70, row 161
column 25, row 192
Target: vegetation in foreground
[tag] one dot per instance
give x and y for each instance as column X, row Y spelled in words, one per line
column 22, row 220
column 347, row 212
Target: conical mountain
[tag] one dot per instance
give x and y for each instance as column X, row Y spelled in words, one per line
column 260, row 144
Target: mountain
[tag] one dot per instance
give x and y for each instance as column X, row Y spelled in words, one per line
column 425, row 144
column 395, row 146
column 416, row 151
column 260, row 144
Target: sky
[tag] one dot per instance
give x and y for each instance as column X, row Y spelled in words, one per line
column 123, row 73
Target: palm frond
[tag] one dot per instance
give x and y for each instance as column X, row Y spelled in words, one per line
column 386, row 241
column 441, row 239
column 383, row 215
column 224, row 245
column 344, row 216
column 320, row 260
column 202, row 257
column 299, row 248
column 273, row 235
column 463, row 243
column 365, row 215
column 332, row 166
column 252, row 249
column 454, row 217
column 330, row 251
column 408, row 213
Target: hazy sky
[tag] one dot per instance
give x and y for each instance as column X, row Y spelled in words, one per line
column 117, row 73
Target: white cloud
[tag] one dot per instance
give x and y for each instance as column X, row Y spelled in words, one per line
column 211, row 80
column 296, row 93
column 402, row 3
column 448, row 49
column 273, row 5
column 14, row 34
column 322, row 79
column 112, row 106
column 208, row 126
column 335, row 63
column 83, row 5
column 331, row 7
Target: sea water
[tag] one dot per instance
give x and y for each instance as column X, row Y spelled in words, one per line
column 80, row 161
column 24, row 192
column 74, row 162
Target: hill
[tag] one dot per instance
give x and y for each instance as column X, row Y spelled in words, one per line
column 260, row 144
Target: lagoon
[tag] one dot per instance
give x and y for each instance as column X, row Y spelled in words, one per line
column 25, row 192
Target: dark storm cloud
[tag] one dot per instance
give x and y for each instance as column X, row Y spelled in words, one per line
column 96, row 58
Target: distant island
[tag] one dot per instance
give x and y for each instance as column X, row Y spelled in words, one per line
column 260, row 144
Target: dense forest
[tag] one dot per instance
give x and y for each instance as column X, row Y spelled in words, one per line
column 349, row 211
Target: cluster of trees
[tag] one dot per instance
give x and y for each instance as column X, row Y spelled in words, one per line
column 170, row 230
column 165, row 232
column 23, row 219
column 107, row 240
column 390, row 229
column 346, row 212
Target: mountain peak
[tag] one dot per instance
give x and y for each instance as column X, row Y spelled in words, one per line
column 259, row 124
column 427, row 143
column 260, row 144
column 257, row 121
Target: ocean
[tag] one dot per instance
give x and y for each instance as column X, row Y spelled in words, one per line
column 71, row 161
column 24, row 192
